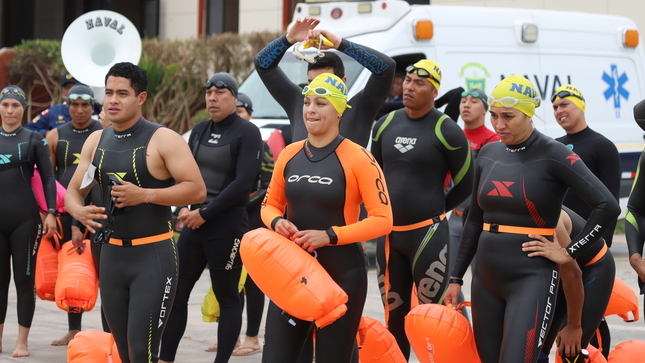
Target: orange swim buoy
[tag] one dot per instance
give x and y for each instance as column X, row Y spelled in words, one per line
column 376, row 344
column 77, row 285
column 595, row 356
column 47, row 268
column 440, row 334
column 92, row 346
column 292, row 278
column 622, row 301
column 626, row 351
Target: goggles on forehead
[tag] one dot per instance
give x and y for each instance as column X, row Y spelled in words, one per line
column 75, row 96
column 421, row 72
column 309, row 58
column 322, row 92
column 565, row 93
column 217, row 84
column 510, row 101
column 474, row 94
column 11, row 91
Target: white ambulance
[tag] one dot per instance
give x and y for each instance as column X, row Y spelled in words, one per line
column 478, row 46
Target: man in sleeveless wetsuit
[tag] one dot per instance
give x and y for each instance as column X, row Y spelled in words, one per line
column 142, row 169
column 365, row 104
column 597, row 152
column 417, row 146
column 65, row 144
column 227, row 149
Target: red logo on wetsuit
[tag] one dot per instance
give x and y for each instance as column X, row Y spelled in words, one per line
column 573, row 158
column 501, row 189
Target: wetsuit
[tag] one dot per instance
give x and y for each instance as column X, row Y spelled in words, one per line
column 68, row 154
column 365, row 104
column 416, row 155
column 323, row 189
column 228, row 155
column 139, row 264
column 522, row 186
column 635, row 218
column 20, row 225
column 601, row 157
column 598, row 272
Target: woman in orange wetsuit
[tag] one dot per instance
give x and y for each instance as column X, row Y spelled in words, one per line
column 322, row 181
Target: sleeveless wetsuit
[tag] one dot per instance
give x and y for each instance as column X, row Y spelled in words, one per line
column 323, row 189
column 522, row 186
column 365, row 104
column 416, row 155
column 20, row 225
column 601, row 157
column 68, row 154
column 138, row 281
column 598, row 272
column 228, row 155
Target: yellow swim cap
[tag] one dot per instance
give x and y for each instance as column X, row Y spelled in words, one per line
column 515, row 92
column 432, row 71
column 572, row 93
column 331, row 87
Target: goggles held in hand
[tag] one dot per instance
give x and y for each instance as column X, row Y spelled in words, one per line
column 309, row 58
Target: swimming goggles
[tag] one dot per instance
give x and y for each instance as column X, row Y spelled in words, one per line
column 309, row 58
column 474, row 94
column 75, row 96
column 510, row 101
column 565, row 93
column 10, row 91
column 322, row 92
column 421, row 72
column 218, row 84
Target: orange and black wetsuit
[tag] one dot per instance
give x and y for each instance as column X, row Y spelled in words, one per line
column 20, row 225
column 598, row 272
column 323, row 189
column 139, row 264
column 416, row 155
column 518, row 189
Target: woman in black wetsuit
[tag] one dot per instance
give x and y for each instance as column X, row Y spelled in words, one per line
column 518, row 190
column 20, row 225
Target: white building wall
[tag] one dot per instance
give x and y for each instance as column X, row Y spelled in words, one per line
column 260, row 15
column 178, row 19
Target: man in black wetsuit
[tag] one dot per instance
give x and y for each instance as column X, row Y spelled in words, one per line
column 417, row 147
column 596, row 151
column 364, row 105
column 142, row 169
column 227, row 149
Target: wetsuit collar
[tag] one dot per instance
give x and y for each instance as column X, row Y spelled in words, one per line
column 523, row 146
column 122, row 135
column 316, row 154
column 228, row 119
column 12, row 133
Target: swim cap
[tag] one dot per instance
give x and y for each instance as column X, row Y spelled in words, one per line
column 332, row 88
column 477, row 93
column 639, row 114
column 15, row 93
column 222, row 80
column 79, row 90
column 515, row 92
column 572, row 93
column 431, row 67
column 244, row 101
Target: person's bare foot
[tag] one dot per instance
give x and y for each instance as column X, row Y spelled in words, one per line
column 21, row 350
column 66, row 338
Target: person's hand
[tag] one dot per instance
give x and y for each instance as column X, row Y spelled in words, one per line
column 452, row 295
column 77, row 237
column 638, row 264
column 103, row 120
column 191, row 219
column 49, row 226
column 285, row 228
column 311, row 239
column 569, row 341
column 127, row 194
column 88, row 215
column 299, row 30
column 542, row 246
column 315, row 34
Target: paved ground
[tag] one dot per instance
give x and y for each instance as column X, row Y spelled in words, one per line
column 50, row 322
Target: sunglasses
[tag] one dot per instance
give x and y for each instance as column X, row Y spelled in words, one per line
column 75, row 96
column 563, row 94
column 322, row 91
column 510, row 101
column 309, row 58
column 421, row 72
column 8, row 92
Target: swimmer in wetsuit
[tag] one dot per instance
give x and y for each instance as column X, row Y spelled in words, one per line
column 65, row 144
column 323, row 181
column 518, row 190
column 20, row 225
column 417, row 146
column 365, row 104
column 142, row 169
column 581, row 306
